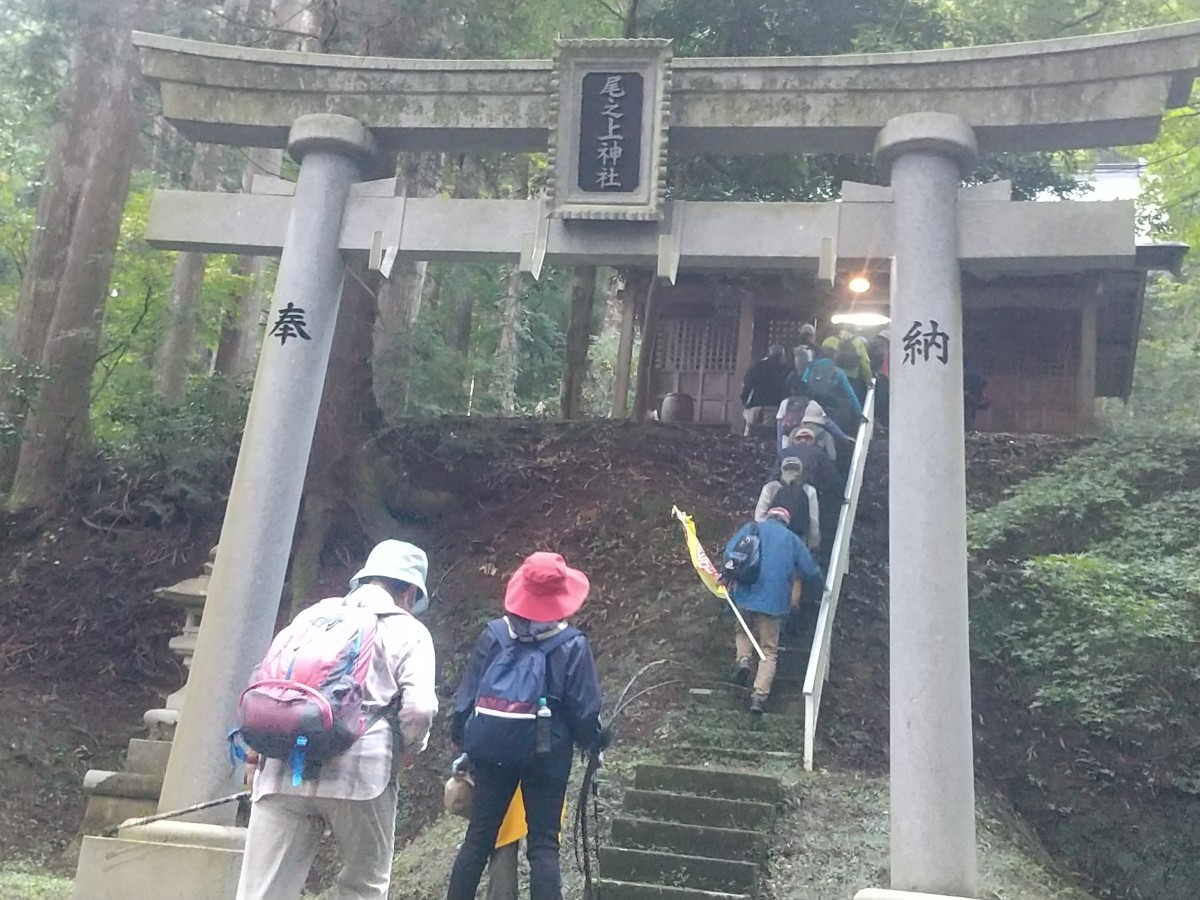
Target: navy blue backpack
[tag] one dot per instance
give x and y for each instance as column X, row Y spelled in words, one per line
column 502, row 730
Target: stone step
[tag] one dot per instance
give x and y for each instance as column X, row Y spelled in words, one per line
column 707, row 783
column 785, row 675
column 793, row 659
column 698, row 755
column 771, row 723
column 785, row 700
column 692, row 810
column 147, row 757
column 696, row 840
column 610, row 889
column 678, row 870
column 743, row 738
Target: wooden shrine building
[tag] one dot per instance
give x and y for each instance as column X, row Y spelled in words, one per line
column 1049, row 344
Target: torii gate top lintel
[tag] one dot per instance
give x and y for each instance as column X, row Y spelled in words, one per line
column 1092, row 91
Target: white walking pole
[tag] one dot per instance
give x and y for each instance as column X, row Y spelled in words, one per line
column 746, row 628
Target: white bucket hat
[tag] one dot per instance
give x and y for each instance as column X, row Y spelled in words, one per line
column 398, row 560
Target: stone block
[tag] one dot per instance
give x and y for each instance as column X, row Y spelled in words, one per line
column 695, row 840
column 692, row 810
column 678, row 870
column 160, row 723
column 188, row 592
column 197, row 834
column 610, row 889
column 147, row 757
column 118, row 869
column 105, row 812
column 707, row 782
column 135, row 785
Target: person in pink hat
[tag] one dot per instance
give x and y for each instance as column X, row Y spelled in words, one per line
column 529, row 696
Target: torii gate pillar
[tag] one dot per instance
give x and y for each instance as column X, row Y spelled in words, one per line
column 260, row 517
column 932, row 774
column 199, row 860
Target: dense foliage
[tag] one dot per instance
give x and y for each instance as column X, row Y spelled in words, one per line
column 1087, row 586
column 445, row 362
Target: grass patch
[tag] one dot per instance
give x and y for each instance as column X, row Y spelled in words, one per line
column 24, row 881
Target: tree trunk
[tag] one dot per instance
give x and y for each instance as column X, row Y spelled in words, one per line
column 58, row 426
column 336, row 491
column 173, row 359
column 297, row 25
column 645, row 357
column 351, row 485
column 458, row 331
column 627, row 298
column 237, row 348
column 505, row 370
column 579, row 334
column 421, row 175
column 58, row 202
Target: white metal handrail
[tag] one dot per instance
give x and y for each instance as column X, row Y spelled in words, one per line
column 839, row 560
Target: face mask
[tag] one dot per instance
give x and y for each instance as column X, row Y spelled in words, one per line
column 421, row 606
column 790, row 476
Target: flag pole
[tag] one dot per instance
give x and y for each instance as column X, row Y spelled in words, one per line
column 709, row 576
column 746, row 628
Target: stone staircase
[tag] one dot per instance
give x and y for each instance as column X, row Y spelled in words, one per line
column 702, row 832
column 113, row 797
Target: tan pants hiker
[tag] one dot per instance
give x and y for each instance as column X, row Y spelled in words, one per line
column 766, row 632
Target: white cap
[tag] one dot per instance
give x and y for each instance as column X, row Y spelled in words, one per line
column 398, row 560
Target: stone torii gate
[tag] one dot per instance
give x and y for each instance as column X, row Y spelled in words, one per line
column 925, row 115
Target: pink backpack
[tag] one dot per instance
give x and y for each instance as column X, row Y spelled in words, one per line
column 304, row 701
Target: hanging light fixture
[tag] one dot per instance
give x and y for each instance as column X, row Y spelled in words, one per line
column 863, row 319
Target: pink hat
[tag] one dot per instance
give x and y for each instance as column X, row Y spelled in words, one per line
column 545, row 589
column 780, row 512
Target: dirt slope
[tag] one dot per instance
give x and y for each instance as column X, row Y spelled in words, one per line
column 83, row 647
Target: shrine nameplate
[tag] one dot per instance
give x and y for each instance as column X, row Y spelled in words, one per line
column 608, row 145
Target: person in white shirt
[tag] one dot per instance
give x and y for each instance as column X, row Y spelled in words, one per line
column 797, row 496
column 355, row 792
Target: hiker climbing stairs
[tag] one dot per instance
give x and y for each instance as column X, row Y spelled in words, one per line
column 689, row 833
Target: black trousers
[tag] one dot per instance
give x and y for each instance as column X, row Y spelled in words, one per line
column 543, row 787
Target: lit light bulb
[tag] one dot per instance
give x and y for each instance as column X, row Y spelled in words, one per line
column 859, row 284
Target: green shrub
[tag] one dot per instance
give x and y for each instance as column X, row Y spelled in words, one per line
column 175, row 455
column 1104, row 644
column 1089, row 498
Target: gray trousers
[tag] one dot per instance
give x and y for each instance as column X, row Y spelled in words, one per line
column 502, row 872
column 285, row 831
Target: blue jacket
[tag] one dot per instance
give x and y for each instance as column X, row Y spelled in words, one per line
column 783, row 556
column 847, row 391
column 573, row 687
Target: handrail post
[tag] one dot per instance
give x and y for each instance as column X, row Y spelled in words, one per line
column 820, row 655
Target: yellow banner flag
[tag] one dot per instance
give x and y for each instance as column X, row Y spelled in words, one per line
column 708, row 574
column 703, row 565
